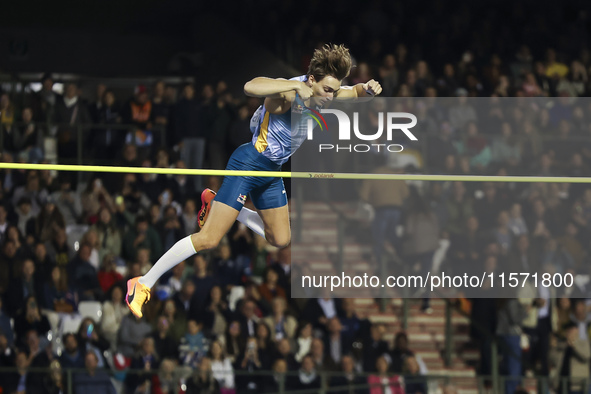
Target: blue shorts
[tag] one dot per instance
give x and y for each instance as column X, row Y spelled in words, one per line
column 265, row 192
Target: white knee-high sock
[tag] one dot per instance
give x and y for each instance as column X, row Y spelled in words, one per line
column 252, row 220
column 180, row 251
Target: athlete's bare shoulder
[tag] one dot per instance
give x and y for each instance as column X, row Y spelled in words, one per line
column 280, row 105
column 278, row 92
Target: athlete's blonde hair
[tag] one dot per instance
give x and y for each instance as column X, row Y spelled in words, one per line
column 331, row 59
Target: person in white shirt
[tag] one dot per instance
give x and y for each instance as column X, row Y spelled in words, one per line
column 221, row 366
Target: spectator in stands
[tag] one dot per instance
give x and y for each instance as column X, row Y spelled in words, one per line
column 284, row 352
column 182, row 188
column 27, row 138
column 95, row 107
column 92, row 381
column 138, row 111
column 33, row 191
column 58, row 295
column 143, row 259
column 248, row 318
column 308, row 378
column 67, row 201
column 374, row 347
column 175, row 281
column 569, row 241
column 70, row 113
column 421, row 237
column 239, row 131
column 413, row 382
column 58, row 249
column 169, row 377
column 16, row 382
column 190, row 126
column 131, row 332
column 189, row 216
column 5, row 329
column 12, row 234
column 217, row 314
column 25, row 215
column 55, row 381
column 109, row 236
column 7, row 261
column 106, row 140
column 91, row 239
column 90, row 337
column 83, row 276
column 113, row 312
column 459, row 208
column 322, row 360
column 142, row 236
column 23, row 286
column 7, row 119
column 183, row 298
column 349, row 320
column 108, row 275
column 38, row 359
column 145, row 360
column 272, row 384
column 30, row 318
column 247, row 362
column 3, row 220
column 502, row 233
column 202, row 380
column 221, row 366
column 319, row 310
column 400, row 353
column 264, row 343
column 269, row 289
column 164, row 343
column 283, row 326
column 573, row 360
column 192, row 347
column 304, row 340
column 45, row 100
column 510, row 314
column 169, row 227
column 94, row 197
column 387, row 204
column 73, row 354
column 383, row 383
column 161, row 105
column 335, row 343
column 350, row 382
column 234, row 343
column 176, row 319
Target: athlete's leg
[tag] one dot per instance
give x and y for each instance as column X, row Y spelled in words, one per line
column 220, row 219
column 277, row 229
column 252, row 220
column 270, row 201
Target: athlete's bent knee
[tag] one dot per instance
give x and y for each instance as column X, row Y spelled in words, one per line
column 280, row 241
column 202, row 241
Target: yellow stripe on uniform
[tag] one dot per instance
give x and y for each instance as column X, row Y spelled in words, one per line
column 262, row 143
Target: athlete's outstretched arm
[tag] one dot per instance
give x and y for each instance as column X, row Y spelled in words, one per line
column 369, row 89
column 276, row 88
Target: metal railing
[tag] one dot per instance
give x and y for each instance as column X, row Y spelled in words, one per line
column 284, row 382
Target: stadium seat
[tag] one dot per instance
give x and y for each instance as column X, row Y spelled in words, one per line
column 92, row 309
column 75, row 233
column 235, row 295
column 70, row 323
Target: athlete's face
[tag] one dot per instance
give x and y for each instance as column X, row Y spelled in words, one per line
column 325, row 89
